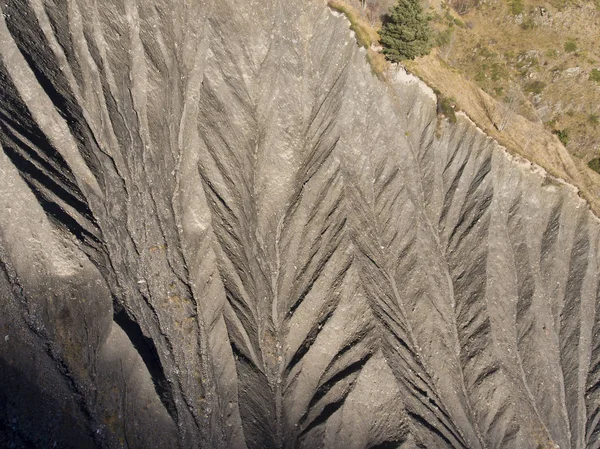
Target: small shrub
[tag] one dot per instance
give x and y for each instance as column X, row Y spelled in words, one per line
column 563, row 135
column 525, row 62
column 517, row 7
column 594, row 164
column 435, row 17
column 570, row 46
column 446, row 107
column 443, row 37
column 595, row 75
column 527, row 24
column 459, row 23
column 498, row 72
column 534, row 87
column 484, row 51
column 594, row 119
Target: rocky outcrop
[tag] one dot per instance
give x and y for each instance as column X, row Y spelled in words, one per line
column 219, row 229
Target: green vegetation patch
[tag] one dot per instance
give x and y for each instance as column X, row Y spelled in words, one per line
column 405, row 33
column 459, row 23
column 516, row 7
column 443, row 37
column 570, row 46
column 526, row 61
column 490, row 66
column 595, row 75
column 534, row 87
column 563, row 135
column 594, row 164
column 528, row 23
column 446, row 107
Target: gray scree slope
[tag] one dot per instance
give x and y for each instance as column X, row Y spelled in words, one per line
column 219, row 230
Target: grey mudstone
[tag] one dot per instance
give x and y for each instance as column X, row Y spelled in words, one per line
column 218, row 229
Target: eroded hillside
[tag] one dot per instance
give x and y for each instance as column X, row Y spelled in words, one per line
column 219, row 229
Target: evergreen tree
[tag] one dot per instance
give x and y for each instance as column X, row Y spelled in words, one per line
column 405, row 33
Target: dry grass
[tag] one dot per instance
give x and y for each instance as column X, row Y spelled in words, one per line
column 521, row 136
column 366, row 35
column 529, row 64
column 524, row 134
column 378, row 62
column 549, row 58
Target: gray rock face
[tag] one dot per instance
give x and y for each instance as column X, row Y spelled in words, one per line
column 219, row 230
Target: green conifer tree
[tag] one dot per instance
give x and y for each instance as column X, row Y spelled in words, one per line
column 406, row 33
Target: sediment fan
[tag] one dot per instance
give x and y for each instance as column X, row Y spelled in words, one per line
column 218, row 229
